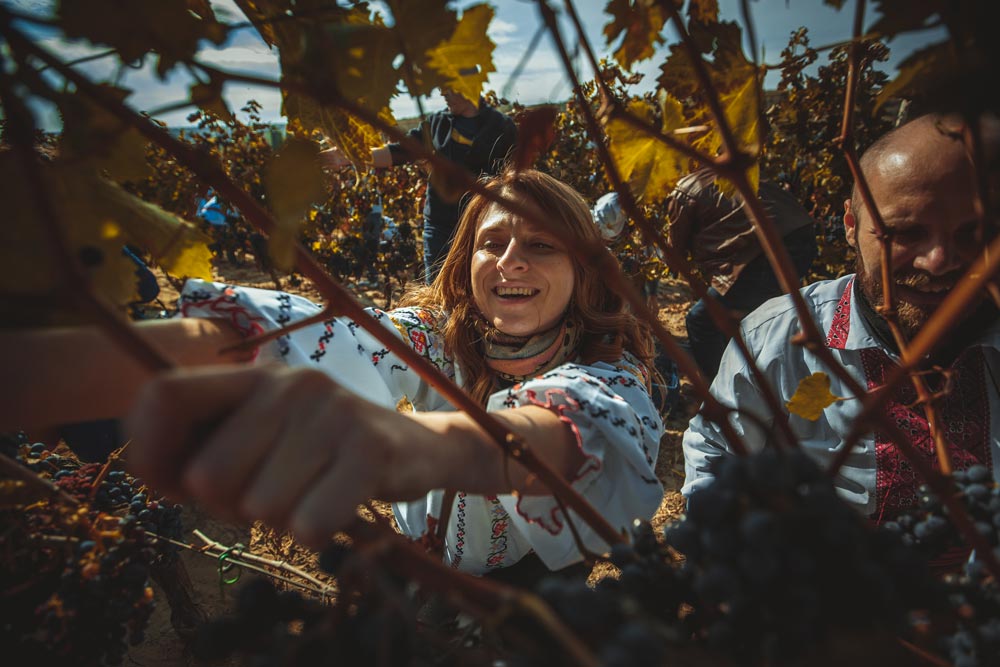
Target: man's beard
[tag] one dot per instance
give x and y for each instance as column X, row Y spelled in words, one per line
column 911, row 317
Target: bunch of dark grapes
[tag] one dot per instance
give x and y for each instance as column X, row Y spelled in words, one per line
column 778, row 563
column 75, row 579
column 629, row 620
column 371, row 624
column 974, row 597
column 928, row 527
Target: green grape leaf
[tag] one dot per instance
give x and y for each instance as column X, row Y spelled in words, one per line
column 639, row 23
column 294, row 181
column 647, row 164
column 95, row 136
column 468, row 47
column 811, row 397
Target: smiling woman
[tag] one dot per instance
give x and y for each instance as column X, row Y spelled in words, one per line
column 531, row 332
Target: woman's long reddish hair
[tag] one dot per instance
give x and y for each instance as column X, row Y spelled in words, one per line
column 607, row 325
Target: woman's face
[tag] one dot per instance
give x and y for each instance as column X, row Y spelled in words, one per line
column 522, row 275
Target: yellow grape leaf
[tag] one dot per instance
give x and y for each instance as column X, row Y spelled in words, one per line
column 649, row 165
column 175, row 244
column 641, row 23
column 734, row 78
column 421, row 26
column 468, row 47
column 811, row 397
column 355, row 138
column 95, row 218
column 208, row 96
column 98, row 137
column 294, row 180
column 404, row 404
column 742, row 109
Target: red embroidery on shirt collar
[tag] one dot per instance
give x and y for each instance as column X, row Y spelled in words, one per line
column 965, row 419
column 840, row 328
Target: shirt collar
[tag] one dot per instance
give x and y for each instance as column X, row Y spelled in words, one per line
column 848, row 330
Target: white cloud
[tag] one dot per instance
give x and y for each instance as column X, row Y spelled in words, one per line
column 502, row 32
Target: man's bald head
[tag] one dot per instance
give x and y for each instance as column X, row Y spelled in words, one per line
column 932, row 146
column 923, row 183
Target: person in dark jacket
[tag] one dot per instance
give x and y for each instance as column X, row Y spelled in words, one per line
column 717, row 232
column 476, row 136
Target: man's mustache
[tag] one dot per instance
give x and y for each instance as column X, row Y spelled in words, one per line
column 924, row 281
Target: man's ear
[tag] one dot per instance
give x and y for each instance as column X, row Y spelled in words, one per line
column 850, row 225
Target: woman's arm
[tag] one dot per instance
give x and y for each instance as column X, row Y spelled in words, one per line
column 70, row 374
column 293, row 448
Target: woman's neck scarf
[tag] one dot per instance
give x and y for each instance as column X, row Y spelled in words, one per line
column 518, row 358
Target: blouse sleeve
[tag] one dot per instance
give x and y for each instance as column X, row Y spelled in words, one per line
column 618, row 431
column 338, row 347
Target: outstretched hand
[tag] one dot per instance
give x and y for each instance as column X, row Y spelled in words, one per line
column 333, row 158
column 286, row 446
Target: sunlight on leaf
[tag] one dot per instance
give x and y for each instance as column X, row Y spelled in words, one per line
column 811, row 397
column 640, row 23
column 294, row 181
column 735, row 80
column 96, row 218
column 468, row 47
column 650, row 166
column 420, row 27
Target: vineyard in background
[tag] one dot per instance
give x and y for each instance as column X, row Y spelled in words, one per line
column 772, row 569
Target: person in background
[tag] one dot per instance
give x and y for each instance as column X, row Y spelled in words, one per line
column 923, row 184
column 610, row 218
column 473, row 135
column 717, row 232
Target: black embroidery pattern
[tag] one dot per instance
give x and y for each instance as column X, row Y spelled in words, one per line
column 324, row 339
column 283, row 317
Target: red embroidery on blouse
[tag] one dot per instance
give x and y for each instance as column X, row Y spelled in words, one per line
column 559, row 402
column 836, row 337
column 964, row 416
column 227, row 307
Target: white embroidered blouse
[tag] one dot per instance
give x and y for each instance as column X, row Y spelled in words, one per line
column 606, row 406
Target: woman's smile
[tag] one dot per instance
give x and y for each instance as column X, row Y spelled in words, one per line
column 522, row 275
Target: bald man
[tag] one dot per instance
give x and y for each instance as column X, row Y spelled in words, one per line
column 922, row 182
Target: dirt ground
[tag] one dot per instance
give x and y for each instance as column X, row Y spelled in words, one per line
column 164, row 648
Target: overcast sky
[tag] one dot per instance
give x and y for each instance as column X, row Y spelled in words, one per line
column 516, row 21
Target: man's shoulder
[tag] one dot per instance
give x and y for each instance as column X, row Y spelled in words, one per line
column 821, row 297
